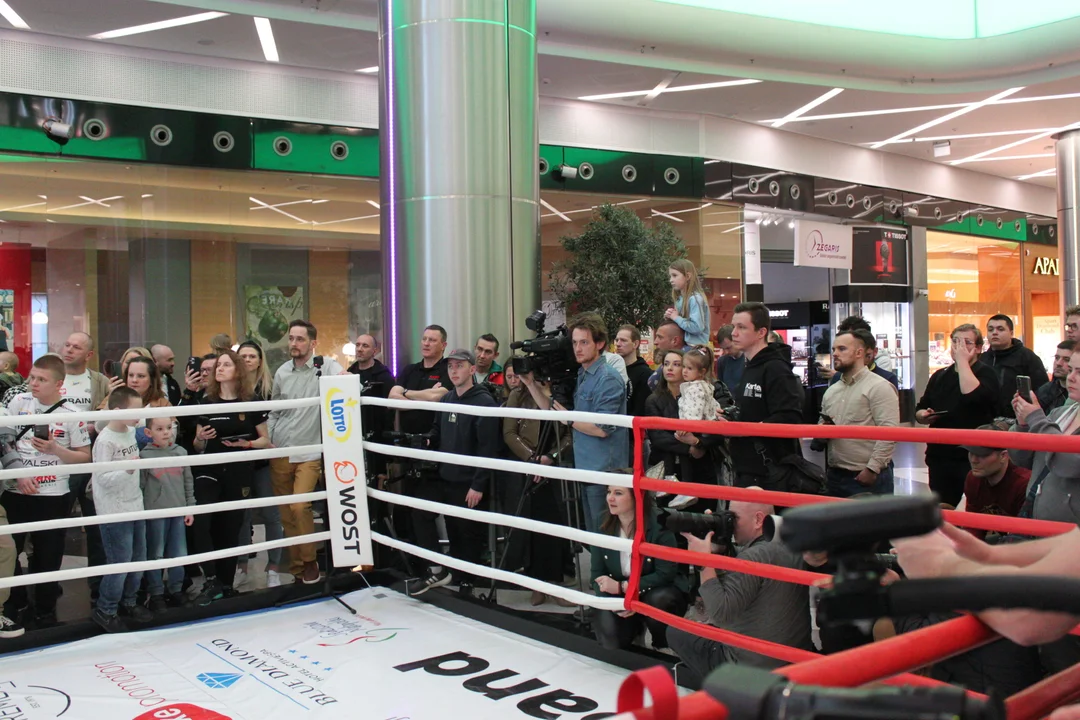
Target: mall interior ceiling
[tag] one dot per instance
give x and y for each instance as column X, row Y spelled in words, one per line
column 980, row 84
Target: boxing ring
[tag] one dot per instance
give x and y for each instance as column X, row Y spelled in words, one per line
column 399, row 657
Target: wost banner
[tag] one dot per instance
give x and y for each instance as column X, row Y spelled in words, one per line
column 343, row 467
column 822, row 245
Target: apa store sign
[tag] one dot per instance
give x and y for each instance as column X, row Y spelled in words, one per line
column 822, row 245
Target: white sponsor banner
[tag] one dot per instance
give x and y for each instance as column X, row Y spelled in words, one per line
column 752, row 253
column 343, row 467
column 822, row 245
column 396, row 658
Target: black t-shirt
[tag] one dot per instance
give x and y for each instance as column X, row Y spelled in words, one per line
column 231, row 426
column 418, row 377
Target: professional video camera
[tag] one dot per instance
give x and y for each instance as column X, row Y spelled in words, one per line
column 416, row 441
column 549, row 356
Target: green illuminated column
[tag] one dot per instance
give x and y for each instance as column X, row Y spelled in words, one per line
column 459, row 170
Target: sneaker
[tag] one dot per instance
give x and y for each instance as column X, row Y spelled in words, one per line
column 241, row 577
column 158, row 606
column 273, row 579
column 108, row 623
column 211, row 591
column 311, row 574
column 229, row 592
column 9, row 628
column 465, row 588
column 664, row 493
column 433, row 580
column 137, row 613
column 45, row 620
column 682, row 501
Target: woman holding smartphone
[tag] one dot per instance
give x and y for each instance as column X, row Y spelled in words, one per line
column 223, row 432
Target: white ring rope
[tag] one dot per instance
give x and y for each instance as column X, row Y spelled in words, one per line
column 626, row 421
column 575, row 596
column 91, row 416
column 224, row 506
column 148, row 565
column 610, row 542
column 515, row 466
column 165, row 462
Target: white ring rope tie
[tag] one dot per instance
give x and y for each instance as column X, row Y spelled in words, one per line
column 180, row 511
column 165, row 462
column 149, row 565
column 626, row 421
column 515, row 466
column 93, row 416
column 610, row 542
column 575, row 596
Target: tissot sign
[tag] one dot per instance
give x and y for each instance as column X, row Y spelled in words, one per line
column 822, row 245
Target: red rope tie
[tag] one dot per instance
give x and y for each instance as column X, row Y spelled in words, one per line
column 661, row 687
column 722, row 562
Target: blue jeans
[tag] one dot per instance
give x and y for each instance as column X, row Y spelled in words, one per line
column 593, row 502
column 842, row 483
column 124, row 542
column 165, row 538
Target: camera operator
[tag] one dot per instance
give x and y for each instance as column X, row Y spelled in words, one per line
column 376, row 380
column 768, row 392
column 599, row 390
column 769, row 610
column 459, row 485
column 425, row 381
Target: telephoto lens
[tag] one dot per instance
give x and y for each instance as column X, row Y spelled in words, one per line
column 721, row 524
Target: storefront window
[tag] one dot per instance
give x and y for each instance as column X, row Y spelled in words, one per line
column 1042, row 320
column 970, row 279
column 140, row 254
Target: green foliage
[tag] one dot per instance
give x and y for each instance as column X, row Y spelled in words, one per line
column 618, row 267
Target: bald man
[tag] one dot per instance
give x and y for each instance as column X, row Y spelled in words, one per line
column 165, row 360
column 9, row 371
column 376, row 380
column 765, row 609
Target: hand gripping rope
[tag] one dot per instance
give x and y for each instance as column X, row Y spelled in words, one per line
column 877, row 662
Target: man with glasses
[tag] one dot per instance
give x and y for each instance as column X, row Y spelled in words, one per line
column 962, row 396
column 1072, row 323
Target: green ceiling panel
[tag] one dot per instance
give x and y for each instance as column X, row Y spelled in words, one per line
column 307, row 148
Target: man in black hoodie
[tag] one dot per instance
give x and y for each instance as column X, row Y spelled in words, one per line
column 627, row 343
column 460, row 485
column 376, row 380
column 768, row 392
column 1008, row 358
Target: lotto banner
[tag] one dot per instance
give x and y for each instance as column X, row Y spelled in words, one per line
column 397, row 658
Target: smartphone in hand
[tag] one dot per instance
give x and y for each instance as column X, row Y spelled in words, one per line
column 1023, row 387
column 41, row 432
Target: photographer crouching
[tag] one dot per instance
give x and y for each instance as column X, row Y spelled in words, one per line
column 769, row 610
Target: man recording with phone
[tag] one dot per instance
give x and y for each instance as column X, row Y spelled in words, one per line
column 964, row 395
column 768, row 610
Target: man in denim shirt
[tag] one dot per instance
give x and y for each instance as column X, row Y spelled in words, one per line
column 600, row 390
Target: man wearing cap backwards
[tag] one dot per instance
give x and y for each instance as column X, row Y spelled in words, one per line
column 460, row 485
column 995, row 485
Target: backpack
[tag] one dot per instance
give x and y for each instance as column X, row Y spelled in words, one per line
column 793, row 473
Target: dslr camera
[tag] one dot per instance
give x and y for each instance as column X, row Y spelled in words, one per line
column 720, row 524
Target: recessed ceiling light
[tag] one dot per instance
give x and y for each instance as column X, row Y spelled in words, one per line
column 369, row 70
column 966, row 136
column 9, row 14
column 808, row 107
column 954, row 114
column 162, row 25
column 1033, row 156
column 319, row 202
column 266, row 39
column 552, row 208
column 1015, row 143
column 147, row 195
column 1041, row 173
column 681, row 88
column 373, row 204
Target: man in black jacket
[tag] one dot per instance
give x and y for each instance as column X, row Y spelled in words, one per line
column 768, row 392
column 1055, row 393
column 376, row 381
column 963, row 395
column 460, row 485
column 1008, row 358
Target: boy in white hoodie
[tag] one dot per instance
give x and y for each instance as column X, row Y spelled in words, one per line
column 119, row 491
